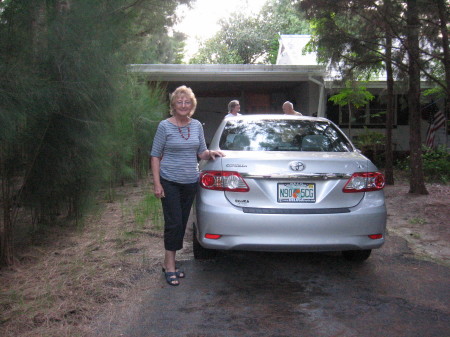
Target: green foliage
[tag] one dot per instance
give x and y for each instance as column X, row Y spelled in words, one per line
column 238, row 41
column 70, row 116
column 417, row 221
column 353, row 94
column 150, row 36
column 370, row 138
column 357, row 36
column 214, row 51
column 161, row 48
column 149, row 208
column 345, row 35
column 372, row 145
column 283, row 18
column 245, row 39
column 436, row 164
column 436, row 92
column 135, row 116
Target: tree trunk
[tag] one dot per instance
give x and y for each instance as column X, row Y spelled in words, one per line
column 6, row 237
column 443, row 21
column 417, row 181
column 349, row 122
column 389, row 157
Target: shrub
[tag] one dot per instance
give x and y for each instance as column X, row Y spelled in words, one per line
column 436, row 164
column 372, row 145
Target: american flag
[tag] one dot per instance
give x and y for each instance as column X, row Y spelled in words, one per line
column 437, row 120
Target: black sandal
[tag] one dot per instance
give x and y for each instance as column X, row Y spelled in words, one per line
column 172, row 278
column 180, row 273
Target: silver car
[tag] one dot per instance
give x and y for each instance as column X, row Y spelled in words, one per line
column 288, row 184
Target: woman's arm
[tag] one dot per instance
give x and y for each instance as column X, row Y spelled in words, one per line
column 157, row 187
column 209, row 154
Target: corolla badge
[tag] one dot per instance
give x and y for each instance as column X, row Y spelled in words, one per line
column 296, row 166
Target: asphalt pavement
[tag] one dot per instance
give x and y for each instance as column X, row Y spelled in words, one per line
column 300, row 294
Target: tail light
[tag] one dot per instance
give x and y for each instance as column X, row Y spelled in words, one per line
column 223, row 181
column 212, row 236
column 364, row 182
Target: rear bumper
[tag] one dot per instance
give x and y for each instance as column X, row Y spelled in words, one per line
column 289, row 232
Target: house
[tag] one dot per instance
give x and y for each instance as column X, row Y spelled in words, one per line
column 262, row 88
column 372, row 116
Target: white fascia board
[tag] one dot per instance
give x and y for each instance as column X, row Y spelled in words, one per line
column 226, row 72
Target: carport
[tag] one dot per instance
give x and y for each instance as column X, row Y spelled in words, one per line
column 259, row 88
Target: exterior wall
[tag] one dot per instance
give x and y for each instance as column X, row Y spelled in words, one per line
column 216, row 85
column 210, row 112
column 305, row 98
column 400, row 136
column 313, row 101
column 301, row 96
column 212, row 109
column 440, row 138
column 278, row 98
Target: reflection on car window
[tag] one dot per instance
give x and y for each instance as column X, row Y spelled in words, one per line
column 283, row 135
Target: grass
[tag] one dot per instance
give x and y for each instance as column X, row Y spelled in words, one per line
column 417, row 221
column 415, row 236
column 149, row 208
column 60, row 285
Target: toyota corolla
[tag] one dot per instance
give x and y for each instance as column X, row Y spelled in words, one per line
column 288, row 184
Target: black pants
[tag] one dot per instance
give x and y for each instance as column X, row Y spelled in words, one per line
column 176, row 205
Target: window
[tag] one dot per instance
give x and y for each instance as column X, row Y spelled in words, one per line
column 283, row 135
column 373, row 114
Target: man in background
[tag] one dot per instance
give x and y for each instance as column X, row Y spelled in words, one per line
column 288, row 109
column 233, row 108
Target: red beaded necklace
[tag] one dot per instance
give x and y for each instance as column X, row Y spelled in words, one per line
column 181, row 132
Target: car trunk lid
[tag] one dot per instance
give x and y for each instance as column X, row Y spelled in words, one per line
column 294, row 180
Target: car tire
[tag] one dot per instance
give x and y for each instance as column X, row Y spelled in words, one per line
column 357, row 255
column 201, row 253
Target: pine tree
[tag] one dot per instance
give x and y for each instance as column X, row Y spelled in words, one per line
column 63, row 65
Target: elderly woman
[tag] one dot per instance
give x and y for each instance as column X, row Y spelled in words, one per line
column 178, row 143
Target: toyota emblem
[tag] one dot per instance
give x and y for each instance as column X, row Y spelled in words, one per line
column 296, row 166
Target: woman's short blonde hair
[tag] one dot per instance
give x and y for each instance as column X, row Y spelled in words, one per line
column 180, row 91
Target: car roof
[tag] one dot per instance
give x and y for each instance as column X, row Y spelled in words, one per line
column 276, row 117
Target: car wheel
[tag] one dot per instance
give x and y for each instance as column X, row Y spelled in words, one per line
column 357, row 255
column 200, row 252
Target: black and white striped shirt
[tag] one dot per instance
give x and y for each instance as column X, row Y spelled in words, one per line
column 179, row 155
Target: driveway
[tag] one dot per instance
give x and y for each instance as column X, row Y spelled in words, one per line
column 278, row 294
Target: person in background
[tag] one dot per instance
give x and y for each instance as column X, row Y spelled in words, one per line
column 233, row 108
column 288, row 109
column 179, row 142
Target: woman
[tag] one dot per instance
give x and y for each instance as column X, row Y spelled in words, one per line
column 178, row 143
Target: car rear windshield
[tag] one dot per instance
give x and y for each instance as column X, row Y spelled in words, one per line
column 283, row 135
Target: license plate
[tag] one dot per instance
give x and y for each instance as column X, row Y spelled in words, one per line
column 297, row 192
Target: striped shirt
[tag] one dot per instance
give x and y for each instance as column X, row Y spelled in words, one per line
column 179, row 156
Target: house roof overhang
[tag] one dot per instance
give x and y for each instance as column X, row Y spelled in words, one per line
column 228, row 72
